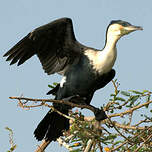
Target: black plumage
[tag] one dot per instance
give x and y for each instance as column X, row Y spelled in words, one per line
column 82, row 67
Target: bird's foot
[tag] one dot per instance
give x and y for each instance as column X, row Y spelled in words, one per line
column 99, row 114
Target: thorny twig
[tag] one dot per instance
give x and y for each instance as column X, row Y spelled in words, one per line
column 55, row 101
column 80, row 106
column 89, row 145
column 43, row 102
column 120, row 132
column 137, row 135
column 143, row 143
column 42, row 146
column 130, row 110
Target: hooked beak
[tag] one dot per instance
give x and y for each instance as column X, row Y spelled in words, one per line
column 132, row 28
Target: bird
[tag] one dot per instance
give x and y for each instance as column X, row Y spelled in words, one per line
column 84, row 69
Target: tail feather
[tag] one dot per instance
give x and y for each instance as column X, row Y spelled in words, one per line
column 52, row 126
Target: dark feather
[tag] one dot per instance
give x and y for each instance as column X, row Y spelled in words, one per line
column 52, row 43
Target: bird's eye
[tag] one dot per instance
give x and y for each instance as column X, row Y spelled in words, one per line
column 125, row 24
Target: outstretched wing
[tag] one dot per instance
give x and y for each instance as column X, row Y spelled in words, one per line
column 53, row 43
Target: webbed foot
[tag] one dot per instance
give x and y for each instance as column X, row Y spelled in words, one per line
column 100, row 114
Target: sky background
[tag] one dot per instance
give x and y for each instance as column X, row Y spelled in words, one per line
column 90, row 20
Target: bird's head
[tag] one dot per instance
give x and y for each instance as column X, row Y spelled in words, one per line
column 120, row 28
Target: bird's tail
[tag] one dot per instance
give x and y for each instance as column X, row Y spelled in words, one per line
column 52, row 126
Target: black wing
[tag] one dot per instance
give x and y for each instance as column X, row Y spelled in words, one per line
column 53, row 43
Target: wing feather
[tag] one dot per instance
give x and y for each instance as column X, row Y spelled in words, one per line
column 54, row 44
column 16, row 56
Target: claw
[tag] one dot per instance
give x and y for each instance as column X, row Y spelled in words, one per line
column 100, row 114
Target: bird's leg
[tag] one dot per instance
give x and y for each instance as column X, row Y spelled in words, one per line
column 73, row 99
column 99, row 113
column 69, row 98
column 76, row 99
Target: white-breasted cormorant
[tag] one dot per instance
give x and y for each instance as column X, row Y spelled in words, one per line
column 84, row 69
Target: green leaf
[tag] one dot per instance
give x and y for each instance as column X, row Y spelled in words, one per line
column 50, row 86
column 55, row 83
column 13, row 148
column 120, row 107
column 136, row 92
column 119, row 98
column 10, row 130
column 148, row 98
column 125, row 93
column 144, row 91
column 76, row 150
column 111, row 111
column 117, row 142
column 134, row 98
column 137, row 104
column 147, row 105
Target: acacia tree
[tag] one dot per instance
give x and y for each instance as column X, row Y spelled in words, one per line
column 127, row 128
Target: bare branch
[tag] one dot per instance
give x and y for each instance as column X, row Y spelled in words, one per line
column 89, row 145
column 130, row 110
column 120, row 132
column 55, row 101
column 42, row 146
column 116, row 125
column 137, row 135
column 63, row 143
column 143, row 143
column 122, row 126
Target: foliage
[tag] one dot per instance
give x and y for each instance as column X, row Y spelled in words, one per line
column 128, row 127
column 129, row 131
column 11, row 140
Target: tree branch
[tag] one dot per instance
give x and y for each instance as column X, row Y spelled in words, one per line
column 114, row 124
column 125, row 142
column 81, row 106
column 122, row 126
column 62, row 142
column 143, row 143
column 55, row 101
column 89, row 145
column 130, row 110
column 42, row 146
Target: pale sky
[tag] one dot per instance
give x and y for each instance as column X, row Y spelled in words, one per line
column 90, row 20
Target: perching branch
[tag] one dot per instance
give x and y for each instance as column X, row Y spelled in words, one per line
column 44, row 144
column 55, row 101
column 100, row 135
column 43, row 101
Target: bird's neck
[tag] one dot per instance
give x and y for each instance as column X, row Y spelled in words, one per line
column 103, row 61
column 106, row 58
column 111, row 41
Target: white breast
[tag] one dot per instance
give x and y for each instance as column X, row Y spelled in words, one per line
column 102, row 61
column 63, row 81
